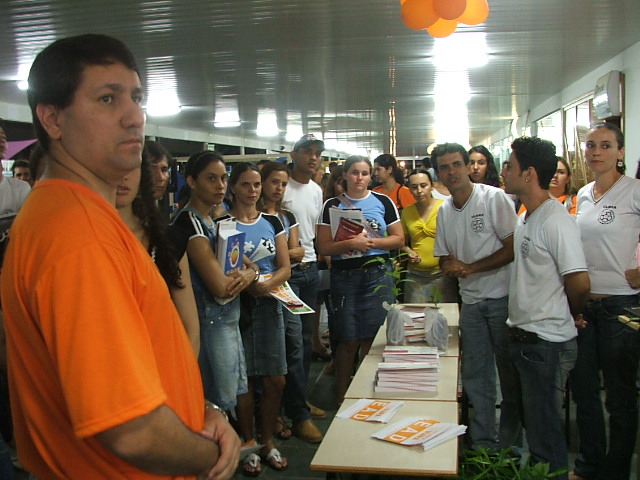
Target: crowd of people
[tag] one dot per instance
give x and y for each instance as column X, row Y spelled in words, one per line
column 132, row 352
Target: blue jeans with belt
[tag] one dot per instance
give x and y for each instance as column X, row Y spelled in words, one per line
column 616, row 350
column 542, row 370
column 305, row 282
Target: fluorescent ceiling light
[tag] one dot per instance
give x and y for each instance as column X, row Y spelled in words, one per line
column 267, row 123
column 162, row 105
column 461, row 51
column 294, row 132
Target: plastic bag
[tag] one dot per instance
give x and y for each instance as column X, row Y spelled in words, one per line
column 395, row 323
column 436, row 329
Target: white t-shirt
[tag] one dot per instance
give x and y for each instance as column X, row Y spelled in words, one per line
column 474, row 232
column 609, row 228
column 13, row 193
column 305, row 201
column 547, row 246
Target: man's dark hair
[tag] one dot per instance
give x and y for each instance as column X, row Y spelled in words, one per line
column 20, row 163
column 445, row 148
column 35, row 159
column 539, row 154
column 57, row 71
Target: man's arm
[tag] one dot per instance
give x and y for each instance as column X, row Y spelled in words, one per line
column 160, row 443
column 450, row 265
column 577, row 287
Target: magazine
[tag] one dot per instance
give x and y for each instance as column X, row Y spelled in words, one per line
column 346, row 224
column 285, row 295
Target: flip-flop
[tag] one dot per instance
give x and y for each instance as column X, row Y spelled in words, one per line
column 251, row 467
column 283, row 431
column 275, row 460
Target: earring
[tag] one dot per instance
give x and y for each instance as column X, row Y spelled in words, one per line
column 620, row 164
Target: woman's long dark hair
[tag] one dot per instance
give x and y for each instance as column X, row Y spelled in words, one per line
column 387, row 160
column 493, row 177
column 267, row 169
column 155, row 228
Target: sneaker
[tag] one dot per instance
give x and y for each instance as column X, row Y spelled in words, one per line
column 307, row 431
column 316, row 412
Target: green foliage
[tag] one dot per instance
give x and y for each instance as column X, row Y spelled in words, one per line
column 436, row 294
column 487, row 464
column 396, row 273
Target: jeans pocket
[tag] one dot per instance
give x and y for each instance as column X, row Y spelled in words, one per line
column 534, row 355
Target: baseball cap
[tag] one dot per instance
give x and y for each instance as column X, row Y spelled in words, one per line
column 307, row 140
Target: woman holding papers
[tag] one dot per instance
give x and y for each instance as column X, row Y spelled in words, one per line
column 357, row 229
column 609, row 222
column 221, row 358
column 136, row 205
column 262, row 321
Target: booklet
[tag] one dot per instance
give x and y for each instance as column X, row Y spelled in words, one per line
column 285, row 295
column 346, row 224
column 230, row 249
column 418, row 431
column 367, row 410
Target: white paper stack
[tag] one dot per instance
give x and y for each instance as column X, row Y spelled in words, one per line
column 368, row 410
column 410, row 353
column 407, row 377
column 416, row 431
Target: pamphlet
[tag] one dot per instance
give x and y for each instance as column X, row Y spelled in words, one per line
column 414, row 431
column 287, row 297
column 367, row 410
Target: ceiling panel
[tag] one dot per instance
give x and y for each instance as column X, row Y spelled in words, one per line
column 343, row 67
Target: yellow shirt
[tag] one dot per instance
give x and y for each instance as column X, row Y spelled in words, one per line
column 422, row 234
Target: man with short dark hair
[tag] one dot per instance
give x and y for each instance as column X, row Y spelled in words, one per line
column 549, row 289
column 474, row 240
column 304, row 198
column 103, row 379
column 22, row 171
column 161, row 162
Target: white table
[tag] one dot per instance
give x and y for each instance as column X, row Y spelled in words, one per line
column 349, row 448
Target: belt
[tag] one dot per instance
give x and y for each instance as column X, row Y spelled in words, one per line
column 518, row 335
column 304, row 265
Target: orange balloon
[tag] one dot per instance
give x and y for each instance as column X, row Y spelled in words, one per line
column 476, row 12
column 418, row 14
column 442, row 28
column 449, row 9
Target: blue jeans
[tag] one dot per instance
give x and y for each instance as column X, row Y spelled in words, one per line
column 356, row 299
column 485, row 346
column 298, row 331
column 617, row 350
column 6, row 467
column 221, row 359
column 542, row 370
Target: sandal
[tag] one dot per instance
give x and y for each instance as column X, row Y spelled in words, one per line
column 251, row 467
column 283, row 430
column 275, row 460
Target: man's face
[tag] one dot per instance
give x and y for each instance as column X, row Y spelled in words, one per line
column 22, row 173
column 307, row 159
column 102, row 130
column 160, row 171
column 453, row 172
column 3, row 144
column 514, row 180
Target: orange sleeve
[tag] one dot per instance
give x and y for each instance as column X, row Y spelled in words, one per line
column 406, row 197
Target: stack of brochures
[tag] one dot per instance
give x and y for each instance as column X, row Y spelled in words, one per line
column 408, row 368
column 418, row 431
column 414, row 327
column 368, row 410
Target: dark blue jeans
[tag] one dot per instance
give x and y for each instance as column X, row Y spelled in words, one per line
column 542, row 370
column 298, row 331
column 615, row 349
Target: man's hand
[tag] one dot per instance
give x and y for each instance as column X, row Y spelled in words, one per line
column 580, row 322
column 218, row 429
column 455, row 268
column 633, row 277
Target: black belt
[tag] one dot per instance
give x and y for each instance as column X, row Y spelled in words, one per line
column 518, row 335
column 304, row 265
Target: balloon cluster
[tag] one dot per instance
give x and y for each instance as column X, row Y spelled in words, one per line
column 440, row 17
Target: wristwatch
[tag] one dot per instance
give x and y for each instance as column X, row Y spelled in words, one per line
column 210, row 405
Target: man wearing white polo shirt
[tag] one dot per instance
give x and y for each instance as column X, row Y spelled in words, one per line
column 549, row 288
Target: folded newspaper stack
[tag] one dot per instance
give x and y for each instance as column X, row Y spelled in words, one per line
column 417, row 431
column 408, row 368
column 368, row 410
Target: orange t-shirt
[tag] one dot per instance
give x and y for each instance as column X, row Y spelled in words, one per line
column 562, row 199
column 93, row 338
column 400, row 195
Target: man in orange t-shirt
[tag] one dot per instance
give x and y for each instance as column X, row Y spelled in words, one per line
column 103, row 379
